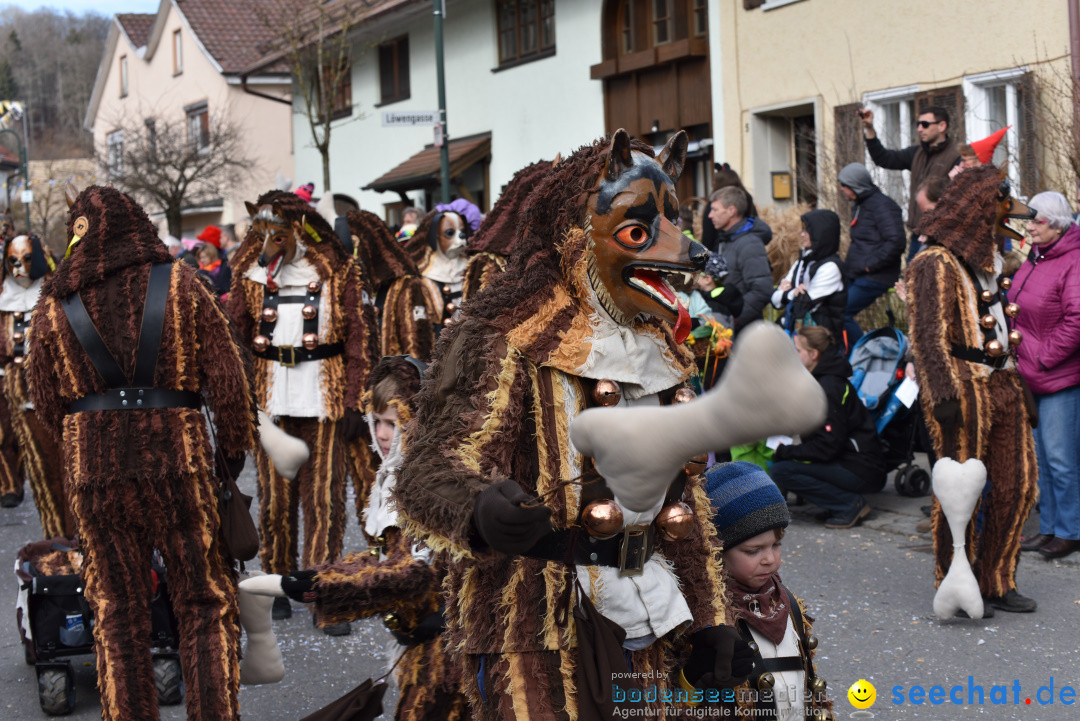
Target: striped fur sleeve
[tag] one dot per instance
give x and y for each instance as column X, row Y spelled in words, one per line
column 933, row 312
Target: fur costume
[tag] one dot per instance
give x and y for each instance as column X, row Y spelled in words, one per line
column 25, row 269
column 509, row 377
column 144, row 479
column 494, row 239
column 438, row 249
column 946, row 282
column 313, row 399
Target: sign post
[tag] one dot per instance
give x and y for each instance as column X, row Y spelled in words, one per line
column 439, row 8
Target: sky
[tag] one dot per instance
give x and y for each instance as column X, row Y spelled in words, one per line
column 104, row 7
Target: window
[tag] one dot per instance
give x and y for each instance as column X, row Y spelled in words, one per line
column 337, row 82
column 626, row 28
column 996, row 100
column 662, row 20
column 198, row 127
column 526, row 29
column 701, row 18
column 894, row 123
column 123, row 76
column 151, row 137
column 177, row 53
column 115, row 143
column 394, row 70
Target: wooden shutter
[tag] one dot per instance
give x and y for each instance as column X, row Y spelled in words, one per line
column 952, row 99
column 847, row 130
column 1030, row 175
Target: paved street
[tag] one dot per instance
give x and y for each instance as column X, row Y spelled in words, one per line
column 869, row 588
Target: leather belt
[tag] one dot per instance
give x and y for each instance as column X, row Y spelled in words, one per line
column 627, row 551
column 289, row 356
column 136, row 399
column 977, row 355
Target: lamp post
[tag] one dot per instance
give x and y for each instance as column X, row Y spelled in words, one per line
column 439, row 9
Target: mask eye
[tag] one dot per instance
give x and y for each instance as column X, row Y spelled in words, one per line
column 279, row 240
column 632, row 236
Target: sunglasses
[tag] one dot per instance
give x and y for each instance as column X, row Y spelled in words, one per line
column 927, row 123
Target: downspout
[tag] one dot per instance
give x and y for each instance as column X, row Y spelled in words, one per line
column 256, row 93
column 1074, row 36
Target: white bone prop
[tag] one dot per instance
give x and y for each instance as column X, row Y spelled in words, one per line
column 957, row 487
column 764, row 391
column 262, row 662
column 264, row 584
column 286, row 452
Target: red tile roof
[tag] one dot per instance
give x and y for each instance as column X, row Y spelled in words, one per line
column 422, row 170
column 234, row 35
column 137, row 26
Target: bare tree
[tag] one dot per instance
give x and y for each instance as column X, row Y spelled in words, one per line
column 172, row 165
column 313, row 40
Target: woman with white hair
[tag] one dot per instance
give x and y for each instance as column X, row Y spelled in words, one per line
column 1047, row 291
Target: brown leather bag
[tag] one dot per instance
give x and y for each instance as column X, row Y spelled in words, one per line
column 238, row 530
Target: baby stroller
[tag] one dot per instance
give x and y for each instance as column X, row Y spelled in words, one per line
column 877, row 372
column 55, row 623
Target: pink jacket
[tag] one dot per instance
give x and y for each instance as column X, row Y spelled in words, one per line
column 1047, row 289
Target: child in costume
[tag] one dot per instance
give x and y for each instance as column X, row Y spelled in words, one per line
column 750, row 518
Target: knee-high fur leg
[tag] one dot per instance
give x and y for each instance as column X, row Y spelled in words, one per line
column 361, row 466
column 41, row 459
column 277, row 517
column 11, row 475
column 323, row 494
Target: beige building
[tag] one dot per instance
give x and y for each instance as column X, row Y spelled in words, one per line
column 180, row 67
column 790, row 74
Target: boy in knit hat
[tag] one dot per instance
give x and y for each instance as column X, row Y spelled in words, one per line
column 750, row 516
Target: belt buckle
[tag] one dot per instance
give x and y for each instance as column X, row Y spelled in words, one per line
column 632, row 549
column 291, row 355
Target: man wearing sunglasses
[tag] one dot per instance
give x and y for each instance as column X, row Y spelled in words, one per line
column 934, row 156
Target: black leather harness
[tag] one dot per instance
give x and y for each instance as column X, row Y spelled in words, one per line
column 291, row 355
column 138, row 392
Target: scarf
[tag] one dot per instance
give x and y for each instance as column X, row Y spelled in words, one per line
column 764, row 610
column 211, row 267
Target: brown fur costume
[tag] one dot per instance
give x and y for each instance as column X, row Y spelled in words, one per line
column 12, row 479
column 497, row 405
column 943, row 312
column 494, row 239
column 319, row 487
column 38, row 450
column 419, row 249
column 143, row 479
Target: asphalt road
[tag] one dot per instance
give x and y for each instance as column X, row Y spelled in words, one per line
column 870, row 589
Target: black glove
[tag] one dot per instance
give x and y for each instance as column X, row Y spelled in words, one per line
column 300, row 586
column 352, row 425
column 503, row 524
column 719, row 658
column 728, row 301
column 229, row 466
column 948, row 414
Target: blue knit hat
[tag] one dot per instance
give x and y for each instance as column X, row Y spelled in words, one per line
column 745, row 502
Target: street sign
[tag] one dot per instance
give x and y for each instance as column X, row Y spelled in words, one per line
column 27, row 196
column 439, row 138
column 409, row 118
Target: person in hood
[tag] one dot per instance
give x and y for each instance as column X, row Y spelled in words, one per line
column 814, row 285
column 741, row 242
column 836, row 464
column 877, row 244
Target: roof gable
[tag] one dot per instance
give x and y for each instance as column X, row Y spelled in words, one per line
column 137, row 27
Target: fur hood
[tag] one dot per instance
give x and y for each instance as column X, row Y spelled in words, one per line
column 498, row 232
column 963, row 221
column 383, row 257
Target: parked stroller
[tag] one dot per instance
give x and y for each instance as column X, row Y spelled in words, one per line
column 877, row 362
column 55, row 623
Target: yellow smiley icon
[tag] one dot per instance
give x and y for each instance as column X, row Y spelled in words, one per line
column 862, row 694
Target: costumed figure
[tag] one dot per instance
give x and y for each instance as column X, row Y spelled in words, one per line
column 306, row 312
column 438, row 248
column 555, row 573
column 396, row 578
column 493, row 242
column 121, row 381
column 27, row 263
column 972, row 395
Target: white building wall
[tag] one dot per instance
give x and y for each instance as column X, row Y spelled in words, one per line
column 532, row 111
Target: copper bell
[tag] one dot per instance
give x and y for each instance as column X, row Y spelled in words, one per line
column 18, row 315
column 684, row 395
column 260, row 344
column 987, row 321
column 818, row 685
column 309, row 312
column 1005, row 282
column 373, row 551
column 607, row 393
column 446, row 290
column 994, row 349
column 602, row 519
column 310, row 341
column 986, row 296
column 1015, row 337
column 269, row 315
column 451, row 307
column 811, row 642
column 821, row 715
column 19, row 360
column 675, row 521
column 766, row 681
column 18, row 337
column 314, row 287
column 392, row 621
column 1012, row 310
column 696, row 465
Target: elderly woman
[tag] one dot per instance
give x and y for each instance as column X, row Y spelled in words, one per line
column 1047, row 291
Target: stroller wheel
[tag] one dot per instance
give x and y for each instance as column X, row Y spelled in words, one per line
column 56, row 689
column 918, row 482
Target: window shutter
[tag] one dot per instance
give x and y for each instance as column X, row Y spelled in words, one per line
column 847, row 129
column 751, row 4
column 1030, row 177
column 952, row 99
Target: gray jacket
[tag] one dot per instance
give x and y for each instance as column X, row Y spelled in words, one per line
column 748, row 267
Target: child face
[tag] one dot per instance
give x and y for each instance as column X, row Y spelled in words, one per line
column 752, row 561
column 385, row 425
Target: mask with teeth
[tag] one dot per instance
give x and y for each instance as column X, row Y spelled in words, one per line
column 634, row 240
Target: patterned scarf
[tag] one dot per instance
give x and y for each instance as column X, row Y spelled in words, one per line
column 764, row 610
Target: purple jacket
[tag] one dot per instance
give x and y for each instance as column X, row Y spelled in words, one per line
column 1047, row 289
